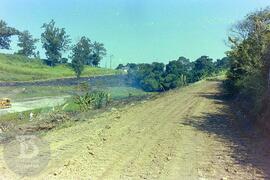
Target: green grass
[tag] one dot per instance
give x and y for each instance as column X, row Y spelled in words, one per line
column 117, row 93
column 21, row 120
column 221, row 76
column 21, row 93
column 20, row 68
column 125, row 92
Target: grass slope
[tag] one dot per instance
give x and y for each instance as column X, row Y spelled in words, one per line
column 19, row 68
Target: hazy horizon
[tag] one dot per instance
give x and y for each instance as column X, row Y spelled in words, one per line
column 137, row 30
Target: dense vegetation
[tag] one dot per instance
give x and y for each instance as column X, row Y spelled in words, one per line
column 249, row 74
column 177, row 73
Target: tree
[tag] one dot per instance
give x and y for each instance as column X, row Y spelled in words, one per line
column 5, row 34
column 249, row 41
column 178, row 67
column 249, row 73
column 120, row 67
column 99, row 52
column 27, row 44
column 148, row 76
column 81, row 53
column 55, row 41
column 64, row 60
column 203, row 67
column 222, row 64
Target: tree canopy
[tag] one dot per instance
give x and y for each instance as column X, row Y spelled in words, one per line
column 5, row 34
column 55, row 41
column 249, row 73
column 99, row 52
column 27, row 44
column 177, row 73
column 81, row 54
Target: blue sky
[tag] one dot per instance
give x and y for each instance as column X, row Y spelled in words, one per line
column 137, row 30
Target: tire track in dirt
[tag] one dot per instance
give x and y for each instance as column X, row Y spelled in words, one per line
column 142, row 123
column 142, row 148
column 151, row 140
column 126, row 126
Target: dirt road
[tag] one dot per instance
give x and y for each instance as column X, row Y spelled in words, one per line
column 184, row 134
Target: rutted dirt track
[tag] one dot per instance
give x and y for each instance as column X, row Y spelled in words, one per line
column 184, row 134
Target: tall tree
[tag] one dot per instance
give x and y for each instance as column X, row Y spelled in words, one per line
column 249, row 41
column 27, row 44
column 178, row 67
column 81, row 53
column 222, row 64
column 55, row 41
column 203, row 67
column 99, row 52
column 5, row 34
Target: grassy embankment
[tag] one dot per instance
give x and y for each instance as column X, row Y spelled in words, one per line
column 19, row 68
column 22, row 93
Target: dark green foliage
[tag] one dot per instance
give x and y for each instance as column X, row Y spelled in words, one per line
column 248, row 75
column 81, row 53
column 157, row 77
column 120, row 66
column 99, row 52
column 203, row 67
column 177, row 73
column 92, row 53
column 172, row 81
column 5, row 34
column 55, row 41
column 27, row 44
column 64, row 60
column 148, row 76
column 150, row 84
column 222, row 64
column 178, row 67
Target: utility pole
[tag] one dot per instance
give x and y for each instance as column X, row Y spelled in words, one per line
column 111, row 57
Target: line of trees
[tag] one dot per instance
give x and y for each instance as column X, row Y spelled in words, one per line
column 177, row 73
column 55, row 41
column 249, row 73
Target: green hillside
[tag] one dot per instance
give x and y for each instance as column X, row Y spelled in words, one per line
column 19, row 68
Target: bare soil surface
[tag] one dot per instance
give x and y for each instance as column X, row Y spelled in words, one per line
column 184, row 134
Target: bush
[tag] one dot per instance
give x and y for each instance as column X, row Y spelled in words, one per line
column 150, row 84
column 93, row 100
column 177, row 73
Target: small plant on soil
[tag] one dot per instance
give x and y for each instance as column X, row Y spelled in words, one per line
column 93, row 100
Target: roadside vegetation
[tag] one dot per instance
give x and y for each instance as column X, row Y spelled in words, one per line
column 249, row 73
column 157, row 77
column 82, row 104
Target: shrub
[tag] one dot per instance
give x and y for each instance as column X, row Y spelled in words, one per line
column 93, row 100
